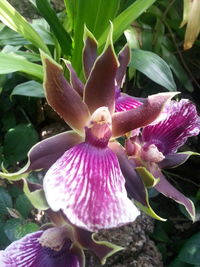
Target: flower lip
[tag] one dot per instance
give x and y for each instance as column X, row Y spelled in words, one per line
column 99, row 130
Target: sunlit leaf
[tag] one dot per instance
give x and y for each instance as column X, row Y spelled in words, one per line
column 12, row 62
column 96, row 16
column 125, row 18
column 18, row 23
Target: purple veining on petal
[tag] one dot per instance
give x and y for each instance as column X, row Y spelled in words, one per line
column 171, row 133
column 28, row 252
column 125, row 102
column 87, row 184
column 23, row 252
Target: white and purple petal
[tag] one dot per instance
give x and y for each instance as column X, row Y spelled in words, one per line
column 168, row 135
column 87, row 184
column 23, row 252
column 28, row 252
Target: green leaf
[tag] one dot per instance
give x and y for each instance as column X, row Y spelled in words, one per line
column 5, row 201
column 18, row 141
column 8, row 120
column 177, row 69
column 30, row 88
column 178, row 263
column 154, row 67
column 190, row 252
column 96, row 16
column 16, row 229
column 125, row 18
column 18, row 23
column 10, row 37
column 12, row 62
column 23, row 205
column 4, row 240
column 59, row 31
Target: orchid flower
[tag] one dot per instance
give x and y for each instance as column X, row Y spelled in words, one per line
column 56, row 246
column 84, row 177
column 156, row 147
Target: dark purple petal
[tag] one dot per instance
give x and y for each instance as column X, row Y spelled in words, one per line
column 45, row 153
column 125, row 102
column 76, row 83
column 164, row 187
column 100, row 86
column 171, row 133
column 134, row 185
column 102, row 249
column 152, row 107
column 89, row 52
column 62, row 97
column 87, row 184
column 124, row 58
column 175, row 159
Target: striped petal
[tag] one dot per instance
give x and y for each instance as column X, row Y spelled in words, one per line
column 28, row 252
column 171, row 133
column 125, row 102
column 21, row 253
column 87, row 184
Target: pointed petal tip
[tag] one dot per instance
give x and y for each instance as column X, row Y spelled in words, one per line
column 109, row 43
column 162, row 97
column 88, row 35
column 46, row 58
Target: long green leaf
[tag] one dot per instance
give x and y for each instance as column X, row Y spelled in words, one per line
column 30, row 88
column 153, row 67
column 95, row 15
column 125, row 18
column 59, row 31
column 12, row 62
column 178, row 70
column 10, row 17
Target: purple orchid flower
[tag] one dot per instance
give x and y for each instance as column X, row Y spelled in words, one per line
column 156, row 147
column 61, row 246
column 85, row 178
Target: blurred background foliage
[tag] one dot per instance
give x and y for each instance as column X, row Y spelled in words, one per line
column 164, row 57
